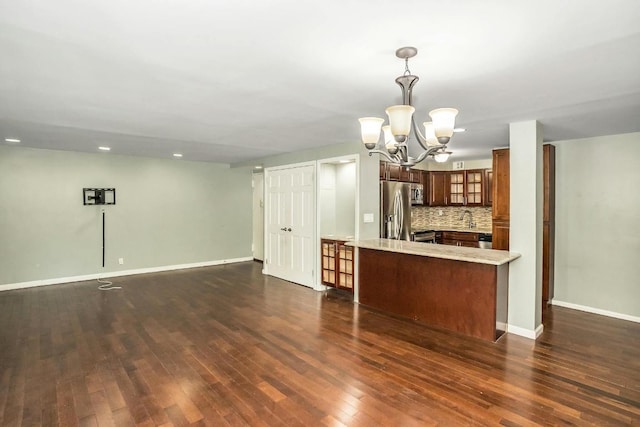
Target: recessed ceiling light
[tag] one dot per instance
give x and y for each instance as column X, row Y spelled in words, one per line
column 177, row 155
column 459, row 130
column 257, row 167
column 345, row 161
column 14, row 140
column 104, row 148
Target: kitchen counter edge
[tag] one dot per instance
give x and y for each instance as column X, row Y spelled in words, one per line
column 456, row 253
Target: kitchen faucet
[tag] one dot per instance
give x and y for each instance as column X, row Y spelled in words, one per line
column 471, row 224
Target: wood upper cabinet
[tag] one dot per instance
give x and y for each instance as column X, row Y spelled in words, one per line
column 438, row 188
column 394, row 172
column 390, row 171
column 500, row 199
column 457, row 188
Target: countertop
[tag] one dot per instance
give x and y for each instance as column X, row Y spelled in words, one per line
column 457, row 253
column 464, row 229
column 336, row 237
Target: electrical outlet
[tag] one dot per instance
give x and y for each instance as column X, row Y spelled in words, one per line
column 120, row 261
column 439, row 212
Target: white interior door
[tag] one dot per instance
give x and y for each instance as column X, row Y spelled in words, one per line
column 290, row 224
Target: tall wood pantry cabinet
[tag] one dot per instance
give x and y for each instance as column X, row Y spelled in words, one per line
column 500, row 199
column 548, row 221
column 501, row 218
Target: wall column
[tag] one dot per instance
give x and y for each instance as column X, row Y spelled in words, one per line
column 525, row 273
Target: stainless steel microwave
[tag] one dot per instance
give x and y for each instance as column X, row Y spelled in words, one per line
column 417, row 194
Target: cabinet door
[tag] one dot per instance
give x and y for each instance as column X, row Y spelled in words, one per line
column 547, row 262
column 405, row 174
column 549, row 181
column 500, row 206
column 415, row 175
column 328, row 258
column 424, row 179
column 450, row 242
column 456, row 188
column 488, row 187
column 473, row 187
column 383, row 170
column 345, row 266
column 438, row 188
column 393, row 171
column 500, row 235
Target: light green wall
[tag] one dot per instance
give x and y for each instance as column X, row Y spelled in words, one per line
column 525, row 227
column 345, row 199
column 168, row 212
column 327, row 199
column 597, row 262
column 336, row 201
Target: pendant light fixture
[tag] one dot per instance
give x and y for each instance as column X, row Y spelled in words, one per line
column 437, row 132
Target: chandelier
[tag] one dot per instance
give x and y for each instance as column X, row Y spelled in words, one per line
column 437, row 132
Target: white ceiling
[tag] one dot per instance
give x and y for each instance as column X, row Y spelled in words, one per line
column 236, row 80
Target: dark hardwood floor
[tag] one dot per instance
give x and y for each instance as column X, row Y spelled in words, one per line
column 226, row 346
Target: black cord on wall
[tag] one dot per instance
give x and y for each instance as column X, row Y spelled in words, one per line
column 105, row 284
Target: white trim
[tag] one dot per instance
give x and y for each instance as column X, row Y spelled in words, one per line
column 527, row 333
column 290, row 166
column 60, row 280
column 596, row 311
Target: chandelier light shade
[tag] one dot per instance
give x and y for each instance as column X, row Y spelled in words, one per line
column 430, row 135
column 370, row 128
column 402, row 125
column 389, row 141
column 400, row 121
column 444, row 120
column 441, row 156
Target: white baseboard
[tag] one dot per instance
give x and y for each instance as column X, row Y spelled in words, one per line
column 60, row 280
column 527, row 333
column 596, row 311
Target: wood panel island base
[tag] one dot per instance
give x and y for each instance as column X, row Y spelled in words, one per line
column 457, row 288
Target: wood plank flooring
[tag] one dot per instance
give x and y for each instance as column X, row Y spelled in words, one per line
column 227, row 346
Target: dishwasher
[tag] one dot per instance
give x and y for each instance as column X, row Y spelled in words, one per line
column 485, row 241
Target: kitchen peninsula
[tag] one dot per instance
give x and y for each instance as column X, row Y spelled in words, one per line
column 457, row 288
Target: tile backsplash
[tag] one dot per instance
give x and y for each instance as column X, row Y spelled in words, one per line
column 425, row 217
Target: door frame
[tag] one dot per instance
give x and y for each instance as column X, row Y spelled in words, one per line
column 318, row 268
column 257, row 240
column 267, row 209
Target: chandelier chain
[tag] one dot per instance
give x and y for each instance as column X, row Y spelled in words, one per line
column 407, row 72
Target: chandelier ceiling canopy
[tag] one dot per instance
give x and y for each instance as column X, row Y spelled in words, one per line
column 437, row 132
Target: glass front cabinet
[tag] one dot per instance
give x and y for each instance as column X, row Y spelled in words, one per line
column 337, row 264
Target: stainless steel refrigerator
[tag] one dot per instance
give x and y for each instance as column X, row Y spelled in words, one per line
column 395, row 210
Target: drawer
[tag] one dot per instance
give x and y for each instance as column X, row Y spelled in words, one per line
column 460, row 235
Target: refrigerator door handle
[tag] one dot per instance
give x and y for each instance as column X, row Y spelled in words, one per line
column 397, row 210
